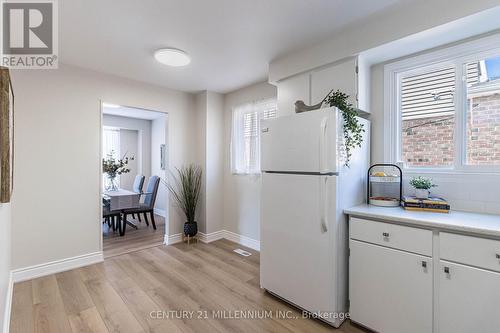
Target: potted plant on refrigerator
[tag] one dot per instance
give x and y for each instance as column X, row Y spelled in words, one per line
column 352, row 129
column 422, row 186
column 185, row 188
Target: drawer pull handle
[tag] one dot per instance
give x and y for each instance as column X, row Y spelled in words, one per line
column 498, row 256
column 424, row 264
column 447, row 270
column 385, row 234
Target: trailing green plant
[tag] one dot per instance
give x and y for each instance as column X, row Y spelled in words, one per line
column 353, row 129
column 185, row 188
column 113, row 167
column 422, row 183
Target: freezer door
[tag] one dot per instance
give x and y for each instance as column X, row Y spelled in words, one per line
column 302, row 142
column 297, row 239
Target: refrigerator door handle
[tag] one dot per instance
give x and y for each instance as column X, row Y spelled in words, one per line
column 323, row 146
column 323, row 204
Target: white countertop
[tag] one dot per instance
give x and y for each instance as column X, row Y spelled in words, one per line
column 483, row 224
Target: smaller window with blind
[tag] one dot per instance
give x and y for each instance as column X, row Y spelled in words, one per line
column 245, row 135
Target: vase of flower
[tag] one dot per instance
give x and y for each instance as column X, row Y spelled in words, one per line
column 111, row 183
column 113, row 168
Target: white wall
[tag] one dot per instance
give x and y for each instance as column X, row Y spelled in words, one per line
column 395, row 23
column 198, row 131
column 5, row 263
column 242, row 193
column 158, row 137
column 56, row 204
column 210, row 136
column 214, row 163
column 143, row 126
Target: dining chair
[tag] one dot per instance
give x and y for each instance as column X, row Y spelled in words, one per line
column 137, row 188
column 138, row 184
column 111, row 217
column 147, row 207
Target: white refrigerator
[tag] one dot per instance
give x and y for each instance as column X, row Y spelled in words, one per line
column 305, row 187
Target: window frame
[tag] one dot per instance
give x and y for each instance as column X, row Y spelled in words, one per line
column 252, row 108
column 457, row 56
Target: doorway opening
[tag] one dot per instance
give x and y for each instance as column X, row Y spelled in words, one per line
column 134, row 155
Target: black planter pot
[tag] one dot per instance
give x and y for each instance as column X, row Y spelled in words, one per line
column 190, row 229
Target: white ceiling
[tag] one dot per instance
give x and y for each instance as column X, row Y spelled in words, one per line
column 124, row 111
column 230, row 42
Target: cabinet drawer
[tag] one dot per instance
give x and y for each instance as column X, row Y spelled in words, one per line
column 392, row 235
column 474, row 251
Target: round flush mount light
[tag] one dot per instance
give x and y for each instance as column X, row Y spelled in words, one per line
column 172, row 57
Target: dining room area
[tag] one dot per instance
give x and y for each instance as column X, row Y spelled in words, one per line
column 134, row 164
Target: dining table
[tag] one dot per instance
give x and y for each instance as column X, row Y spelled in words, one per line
column 122, row 199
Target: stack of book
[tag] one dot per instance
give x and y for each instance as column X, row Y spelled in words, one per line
column 431, row 204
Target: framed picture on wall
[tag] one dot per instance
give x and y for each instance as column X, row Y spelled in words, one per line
column 6, row 136
column 163, row 154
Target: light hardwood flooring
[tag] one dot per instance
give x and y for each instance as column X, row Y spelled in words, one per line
column 120, row 295
column 134, row 240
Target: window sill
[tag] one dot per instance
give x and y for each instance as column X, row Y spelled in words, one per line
column 451, row 172
column 245, row 174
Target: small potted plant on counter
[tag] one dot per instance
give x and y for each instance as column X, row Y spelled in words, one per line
column 422, row 186
column 185, row 188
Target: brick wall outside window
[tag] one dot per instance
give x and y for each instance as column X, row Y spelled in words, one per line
column 429, row 141
column 483, row 131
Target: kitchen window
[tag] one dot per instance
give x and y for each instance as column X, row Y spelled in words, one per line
column 245, row 136
column 443, row 110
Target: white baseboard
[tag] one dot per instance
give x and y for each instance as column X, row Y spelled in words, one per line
column 8, row 305
column 172, row 239
column 160, row 212
column 242, row 240
column 32, row 272
column 213, row 236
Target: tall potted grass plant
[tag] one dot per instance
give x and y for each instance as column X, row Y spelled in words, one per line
column 185, row 187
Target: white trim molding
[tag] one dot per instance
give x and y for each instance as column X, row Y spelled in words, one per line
column 172, row 239
column 32, row 272
column 242, row 240
column 8, row 305
column 161, row 212
column 213, row 236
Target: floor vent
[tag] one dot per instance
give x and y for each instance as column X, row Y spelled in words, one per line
column 243, row 252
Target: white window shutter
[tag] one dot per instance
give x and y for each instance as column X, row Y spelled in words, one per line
column 245, row 135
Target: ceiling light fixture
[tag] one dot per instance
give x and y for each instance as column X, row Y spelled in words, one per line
column 111, row 106
column 172, row 57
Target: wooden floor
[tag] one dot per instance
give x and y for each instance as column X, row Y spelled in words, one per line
column 125, row 293
column 142, row 238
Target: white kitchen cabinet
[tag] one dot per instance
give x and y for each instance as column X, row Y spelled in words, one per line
column 469, row 299
column 390, row 290
column 341, row 76
column 313, row 86
column 292, row 89
column 389, row 293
